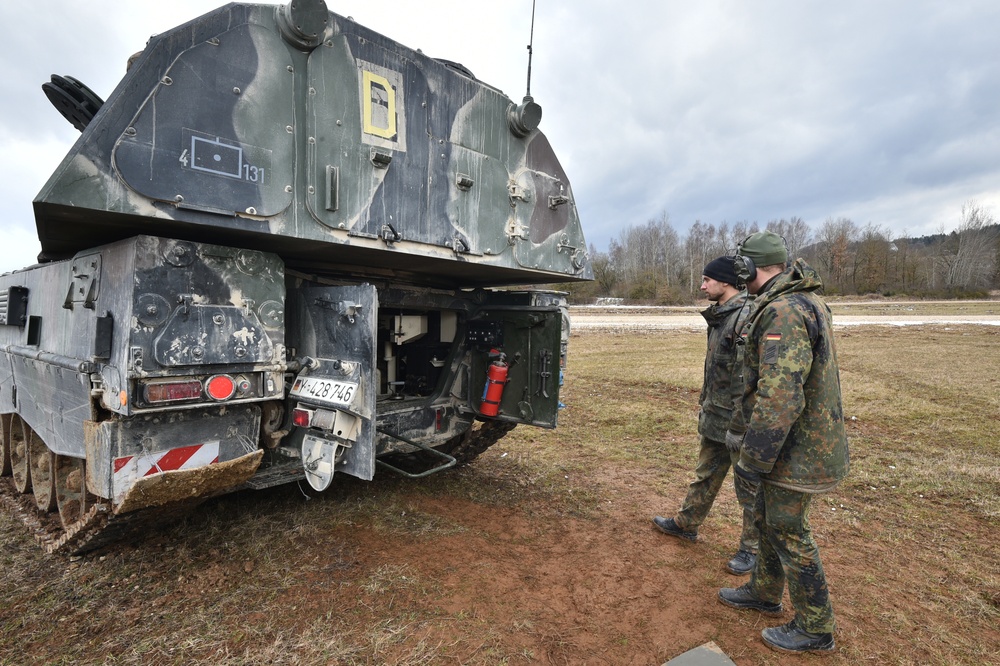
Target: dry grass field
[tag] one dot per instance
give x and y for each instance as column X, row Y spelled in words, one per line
column 542, row 551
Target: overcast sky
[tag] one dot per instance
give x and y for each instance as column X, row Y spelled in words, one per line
column 881, row 111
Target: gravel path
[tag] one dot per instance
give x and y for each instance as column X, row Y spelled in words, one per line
column 654, row 319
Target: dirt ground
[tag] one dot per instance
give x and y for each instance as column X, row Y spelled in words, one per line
column 610, row 590
column 460, row 581
column 499, row 563
column 560, row 590
column 523, row 584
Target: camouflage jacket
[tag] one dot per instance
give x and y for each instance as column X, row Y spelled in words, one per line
column 791, row 402
column 723, row 383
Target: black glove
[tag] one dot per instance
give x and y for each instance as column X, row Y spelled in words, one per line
column 734, row 441
column 748, row 478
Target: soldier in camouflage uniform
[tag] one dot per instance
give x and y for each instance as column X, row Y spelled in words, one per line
column 793, row 440
column 721, row 390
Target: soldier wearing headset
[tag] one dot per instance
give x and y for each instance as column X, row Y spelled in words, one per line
column 790, row 433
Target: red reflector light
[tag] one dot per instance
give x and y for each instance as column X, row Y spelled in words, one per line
column 301, row 417
column 220, row 387
column 171, row 391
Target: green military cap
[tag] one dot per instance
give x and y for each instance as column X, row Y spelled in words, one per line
column 764, row 248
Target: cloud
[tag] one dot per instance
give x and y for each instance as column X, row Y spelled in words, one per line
column 759, row 111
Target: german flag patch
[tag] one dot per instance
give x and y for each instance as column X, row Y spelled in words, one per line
column 772, row 347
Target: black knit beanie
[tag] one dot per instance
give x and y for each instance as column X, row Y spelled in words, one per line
column 721, row 269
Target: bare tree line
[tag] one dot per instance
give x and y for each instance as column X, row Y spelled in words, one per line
column 653, row 263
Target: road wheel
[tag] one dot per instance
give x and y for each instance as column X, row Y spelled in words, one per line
column 5, row 444
column 71, row 489
column 19, row 455
column 43, row 464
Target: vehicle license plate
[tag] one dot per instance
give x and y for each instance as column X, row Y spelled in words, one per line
column 321, row 389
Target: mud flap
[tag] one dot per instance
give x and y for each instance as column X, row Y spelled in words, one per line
column 121, row 452
column 178, row 485
column 333, row 335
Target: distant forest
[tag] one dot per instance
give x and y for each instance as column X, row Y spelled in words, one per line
column 653, row 264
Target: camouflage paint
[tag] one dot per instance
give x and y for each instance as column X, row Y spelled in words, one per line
column 351, row 150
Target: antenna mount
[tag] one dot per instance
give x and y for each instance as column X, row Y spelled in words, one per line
column 523, row 119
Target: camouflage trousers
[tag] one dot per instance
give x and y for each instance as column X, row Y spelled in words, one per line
column 714, row 461
column 788, row 552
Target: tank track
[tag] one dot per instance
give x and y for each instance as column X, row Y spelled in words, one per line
column 466, row 447
column 98, row 528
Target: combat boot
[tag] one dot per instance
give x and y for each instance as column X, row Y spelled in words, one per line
column 742, row 563
column 740, row 597
column 792, row 638
column 668, row 526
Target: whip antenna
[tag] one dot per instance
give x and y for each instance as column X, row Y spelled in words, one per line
column 531, row 40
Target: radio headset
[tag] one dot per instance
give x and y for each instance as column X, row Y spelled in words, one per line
column 744, row 267
column 746, row 272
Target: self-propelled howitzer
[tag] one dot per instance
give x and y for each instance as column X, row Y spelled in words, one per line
column 274, row 255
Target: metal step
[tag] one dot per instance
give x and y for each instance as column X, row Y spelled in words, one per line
column 276, row 475
column 425, row 468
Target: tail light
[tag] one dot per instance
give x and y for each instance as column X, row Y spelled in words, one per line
column 172, row 391
column 220, row 387
column 302, row 417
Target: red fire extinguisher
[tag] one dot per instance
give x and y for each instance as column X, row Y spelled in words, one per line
column 496, row 379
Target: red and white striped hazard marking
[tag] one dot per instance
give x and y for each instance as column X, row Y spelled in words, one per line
column 128, row 469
